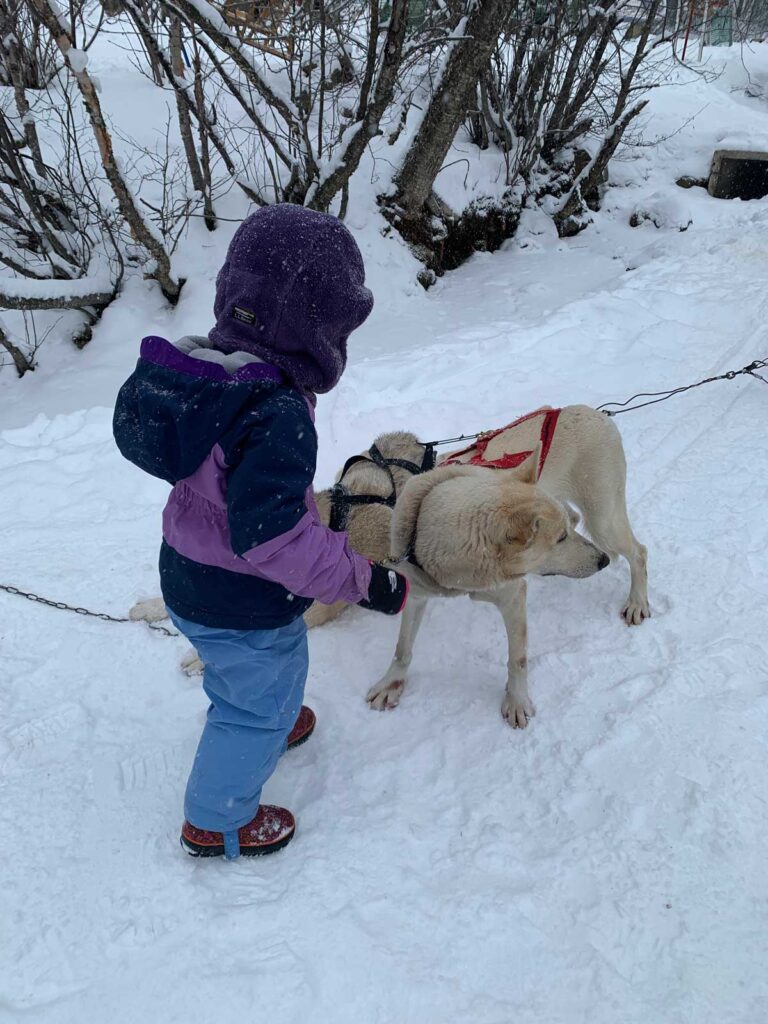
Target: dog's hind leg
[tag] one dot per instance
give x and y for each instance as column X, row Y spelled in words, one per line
column 594, row 478
column 386, row 693
column 517, row 706
column 608, row 523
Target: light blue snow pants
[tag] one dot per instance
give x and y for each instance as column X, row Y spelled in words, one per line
column 255, row 682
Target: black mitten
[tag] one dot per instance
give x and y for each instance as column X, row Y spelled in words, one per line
column 388, row 591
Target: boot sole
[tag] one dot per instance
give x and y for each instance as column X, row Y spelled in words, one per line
column 304, row 738
column 197, row 850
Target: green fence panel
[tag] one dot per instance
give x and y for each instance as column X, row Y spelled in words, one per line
column 721, row 29
column 417, row 12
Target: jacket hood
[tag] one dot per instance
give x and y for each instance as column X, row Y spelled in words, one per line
column 291, row 291
column 174, row 408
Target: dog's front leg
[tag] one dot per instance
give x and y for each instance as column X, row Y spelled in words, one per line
column 386, row 693
column 517, row 706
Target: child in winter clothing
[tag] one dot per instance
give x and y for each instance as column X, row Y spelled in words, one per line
column 228, row 420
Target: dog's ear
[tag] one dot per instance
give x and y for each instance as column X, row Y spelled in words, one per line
column 528, row 471
column 573, row 515
column 523, row 525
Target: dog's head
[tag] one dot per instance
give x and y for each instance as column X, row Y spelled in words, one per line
column 475, row 528
column 534, row 533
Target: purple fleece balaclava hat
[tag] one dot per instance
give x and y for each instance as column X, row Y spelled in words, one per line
column 291, row 292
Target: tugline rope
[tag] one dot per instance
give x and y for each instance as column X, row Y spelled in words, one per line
column 655, row 396
column 342, row 499
column 662, row 396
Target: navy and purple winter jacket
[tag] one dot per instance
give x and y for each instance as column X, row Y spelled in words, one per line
column 243, row 546
column 229, row 422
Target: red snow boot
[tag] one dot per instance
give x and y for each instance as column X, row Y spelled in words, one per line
column 303, row 729
column 270, row 831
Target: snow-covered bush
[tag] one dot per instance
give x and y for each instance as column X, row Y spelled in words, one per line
column 60, row 242
column 28, row 57
column 68, row 216
column 281, row 100
column 552, row 90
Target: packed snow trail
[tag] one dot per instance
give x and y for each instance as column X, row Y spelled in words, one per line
column 607, row 864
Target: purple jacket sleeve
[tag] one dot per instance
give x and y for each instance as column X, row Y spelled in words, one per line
column 311, row 560
column 273, row 519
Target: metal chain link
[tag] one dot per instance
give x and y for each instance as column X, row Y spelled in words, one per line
column 62, row 606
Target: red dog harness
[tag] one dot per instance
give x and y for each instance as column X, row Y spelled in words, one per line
column 511, row 459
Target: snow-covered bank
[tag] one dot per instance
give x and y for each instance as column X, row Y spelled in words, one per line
column 605, row 865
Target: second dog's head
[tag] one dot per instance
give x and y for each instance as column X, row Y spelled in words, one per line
column 472, row 528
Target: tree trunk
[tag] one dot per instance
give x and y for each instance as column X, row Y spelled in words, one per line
column 211, row 23
column 200, row 173
column 182, row 108
column 233, row 85
column 22, row 363
column 185, row 95
column 30, row 131
column 566, row 217
column 139, row 228
column 205, row 158
column 43, row 208
column 447, row 108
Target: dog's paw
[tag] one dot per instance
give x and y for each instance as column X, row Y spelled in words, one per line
column 151, row 610
column 384, row 696
column 191, row 664
column 516, row 711
column 635, row 612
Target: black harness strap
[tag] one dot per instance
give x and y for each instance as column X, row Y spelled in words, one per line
column 341, row 499
column 427, row 462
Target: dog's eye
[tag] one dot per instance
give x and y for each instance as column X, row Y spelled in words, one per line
column 564, row 537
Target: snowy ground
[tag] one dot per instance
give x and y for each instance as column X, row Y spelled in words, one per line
column 605, row 866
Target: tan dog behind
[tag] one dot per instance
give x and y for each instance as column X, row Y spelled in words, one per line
column 369, row 525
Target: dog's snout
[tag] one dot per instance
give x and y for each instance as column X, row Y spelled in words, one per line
column 602, row 561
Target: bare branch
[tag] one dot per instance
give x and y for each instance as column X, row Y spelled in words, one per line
column 374, row 100
column 22, row 363
column 25, row 295
column 54, row 22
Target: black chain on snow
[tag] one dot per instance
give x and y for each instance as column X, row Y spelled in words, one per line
column 37, row 599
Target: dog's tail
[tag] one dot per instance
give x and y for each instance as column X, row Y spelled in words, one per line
column 406, row 514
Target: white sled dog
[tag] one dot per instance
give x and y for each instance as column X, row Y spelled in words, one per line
column 466, row 528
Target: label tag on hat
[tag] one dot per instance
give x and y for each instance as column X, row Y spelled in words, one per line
column 245, row 316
